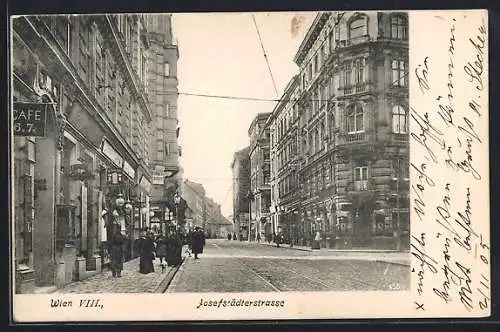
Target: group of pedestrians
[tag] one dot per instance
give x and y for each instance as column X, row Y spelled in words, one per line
column 168, row 248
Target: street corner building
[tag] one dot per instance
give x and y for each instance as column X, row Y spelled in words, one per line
column 86, row 140
column 338, row 138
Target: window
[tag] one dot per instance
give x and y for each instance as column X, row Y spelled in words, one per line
column 399, row 120
column 398, row 27
column 359, row 68
column 398, row 73
column 167, row 111
column 347, row 75
column 167, row 69
column 361, row 178
column 84, row 54
column 357, row 28
column 401, row 168
column 355, row 119
column 159, row 155
column 159, row 122
column 331, row 40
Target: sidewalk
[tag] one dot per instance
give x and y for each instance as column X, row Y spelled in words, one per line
column 399, row 257
column 131, row 281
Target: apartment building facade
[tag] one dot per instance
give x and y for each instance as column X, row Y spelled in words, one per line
column 352, row 132
column 285, row 181
column 164, row 147
column 260, row 177
column 87, row 77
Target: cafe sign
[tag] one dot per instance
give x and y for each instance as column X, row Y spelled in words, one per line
column 30, row 119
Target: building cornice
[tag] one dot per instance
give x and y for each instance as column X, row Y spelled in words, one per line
column 52, row 57
column 311, row 36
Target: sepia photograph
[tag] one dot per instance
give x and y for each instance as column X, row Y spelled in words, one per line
column 220, row 153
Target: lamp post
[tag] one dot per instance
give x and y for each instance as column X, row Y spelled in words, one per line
column 166, row 218
column 250, row 197
column 129, row 211
column 177, row 200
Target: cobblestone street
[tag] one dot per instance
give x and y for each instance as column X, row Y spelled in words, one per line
column 131, row 281
column 233, row 266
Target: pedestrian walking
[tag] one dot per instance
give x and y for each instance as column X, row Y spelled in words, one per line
column 161, row 248
column 316, row 241
column 146, row 247
column 277, row 239
column 116, row 244
column 174, row 248
column 229, row 236
column 234, row 236
column 197, row 242
column 258, row 237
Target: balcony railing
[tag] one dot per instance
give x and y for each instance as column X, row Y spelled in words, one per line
column 361, row 185
column 355, row 138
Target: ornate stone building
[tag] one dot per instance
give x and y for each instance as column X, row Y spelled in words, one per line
column 90, row 169
column 260, row 177
column 285, row 182
column 352, row 132
column 164, row 148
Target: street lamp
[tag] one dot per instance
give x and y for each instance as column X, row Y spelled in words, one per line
column 166, row 218
column 120, row 201
column 177, row 200
column 251, row 198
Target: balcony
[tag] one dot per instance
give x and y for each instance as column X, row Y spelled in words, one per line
column 354, row 138
column 361, row 185
column 400, row 139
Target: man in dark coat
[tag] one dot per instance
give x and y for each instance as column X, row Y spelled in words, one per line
column 174, row 248
column 161, row 248
column 197, row 242
column 116, row 244
column 146, row 248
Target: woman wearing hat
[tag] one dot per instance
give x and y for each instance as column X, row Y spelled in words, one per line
column 161, row 247
column 174, row 248
column 146, row 248
column 197, row 241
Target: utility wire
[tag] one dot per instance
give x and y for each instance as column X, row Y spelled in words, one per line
column 226, row 97
column 265, row 56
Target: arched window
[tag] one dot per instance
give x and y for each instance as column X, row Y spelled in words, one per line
column 357, row 28
column 398, row 27
column 355, row 119
column 399, row 120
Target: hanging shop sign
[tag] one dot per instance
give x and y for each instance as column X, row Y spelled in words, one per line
column 30, row 119
column 158, row 179
column 111, row 153
column 128, row 170
column 145, row 184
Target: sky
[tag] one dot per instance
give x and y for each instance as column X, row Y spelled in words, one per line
column 220, row 54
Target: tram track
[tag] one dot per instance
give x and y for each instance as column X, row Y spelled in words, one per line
column 278, row 274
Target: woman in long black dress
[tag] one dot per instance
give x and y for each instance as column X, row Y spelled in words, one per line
column 146, row 248
column 174, row 248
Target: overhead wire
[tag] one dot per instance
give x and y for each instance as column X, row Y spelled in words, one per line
column 265, row 55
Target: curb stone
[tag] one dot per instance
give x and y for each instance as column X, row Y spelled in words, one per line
column 165, row 283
